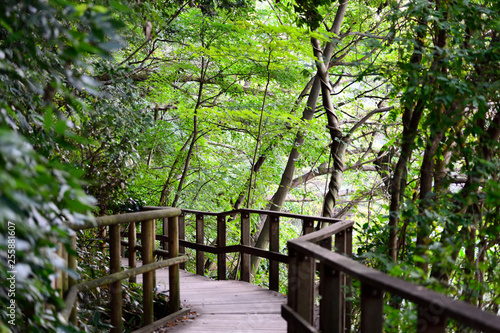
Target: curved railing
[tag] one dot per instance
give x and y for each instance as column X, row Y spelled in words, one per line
column 335, row 271
column 244, row 248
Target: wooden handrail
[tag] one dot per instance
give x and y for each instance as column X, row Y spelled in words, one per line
column 244, row 248
column 434, row 307
column 105, row 221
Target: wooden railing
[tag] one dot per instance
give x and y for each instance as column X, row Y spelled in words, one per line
column 335, row 271
column 113, row 280
column 244, row 248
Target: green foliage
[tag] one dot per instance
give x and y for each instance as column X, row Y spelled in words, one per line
column 43, row 46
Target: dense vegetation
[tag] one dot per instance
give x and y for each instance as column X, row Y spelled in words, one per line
column 384, row 112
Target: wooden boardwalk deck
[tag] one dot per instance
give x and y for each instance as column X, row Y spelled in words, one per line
column 224, row 306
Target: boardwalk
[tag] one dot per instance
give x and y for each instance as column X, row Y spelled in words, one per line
column 225, row 306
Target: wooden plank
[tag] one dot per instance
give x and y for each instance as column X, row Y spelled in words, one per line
column 231, row 249
column 225, row 306
column 127, row 218
column 319, row 235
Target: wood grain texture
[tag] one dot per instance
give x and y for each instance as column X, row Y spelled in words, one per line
column 224, row 306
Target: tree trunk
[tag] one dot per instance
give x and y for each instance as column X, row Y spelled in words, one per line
column 287, row 176
column 411, row 119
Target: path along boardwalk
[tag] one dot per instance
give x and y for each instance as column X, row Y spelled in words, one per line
column 224, row 306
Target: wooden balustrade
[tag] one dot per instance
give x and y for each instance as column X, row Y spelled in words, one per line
column 147, row 219
column 335, row 271
column 245, row 250
column 308, row 255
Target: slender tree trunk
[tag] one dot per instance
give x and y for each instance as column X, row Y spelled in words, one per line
column 426, row 180
column 165, row 189
column 411, row 119
column 195, row 136
column 287, row 176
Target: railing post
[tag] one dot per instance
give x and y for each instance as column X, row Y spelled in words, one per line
column 221, row 243
column 305, row 286
column 116, row 287
column 348, row 283
column 147, row 278
column 330, row 290
column 132, row 239
column 245, row 240
column 372, row 306
column 65, row 277
column 182, row 235
column 340, row 246
column 173, row 277
column 200, row 238
column 430, row 319
column 293, row 284
column 71, row 281
column 164, row 243
column 274, row 246
column 307, row 226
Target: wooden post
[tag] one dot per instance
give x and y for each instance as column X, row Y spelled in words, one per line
column 147, row 278
column 307, row 226
column 58, row 283
column 173, row 277
column 330, row 290
column 122, row 248
column 274, row 246
column 132, row 237
column 65, row 277
column 348, row 284
column 116, row 287
column 200, row 239
column 221, row 243
column 305, row 280
column 182, row 235
column 430, row 319
column 164, row 243
column 372, row 309
column 245, row 240
column 71, row 281
column 293, row 285
column 340, row 246
column 153, row 258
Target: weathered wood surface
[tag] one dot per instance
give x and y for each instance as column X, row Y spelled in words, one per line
column 224, row 306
